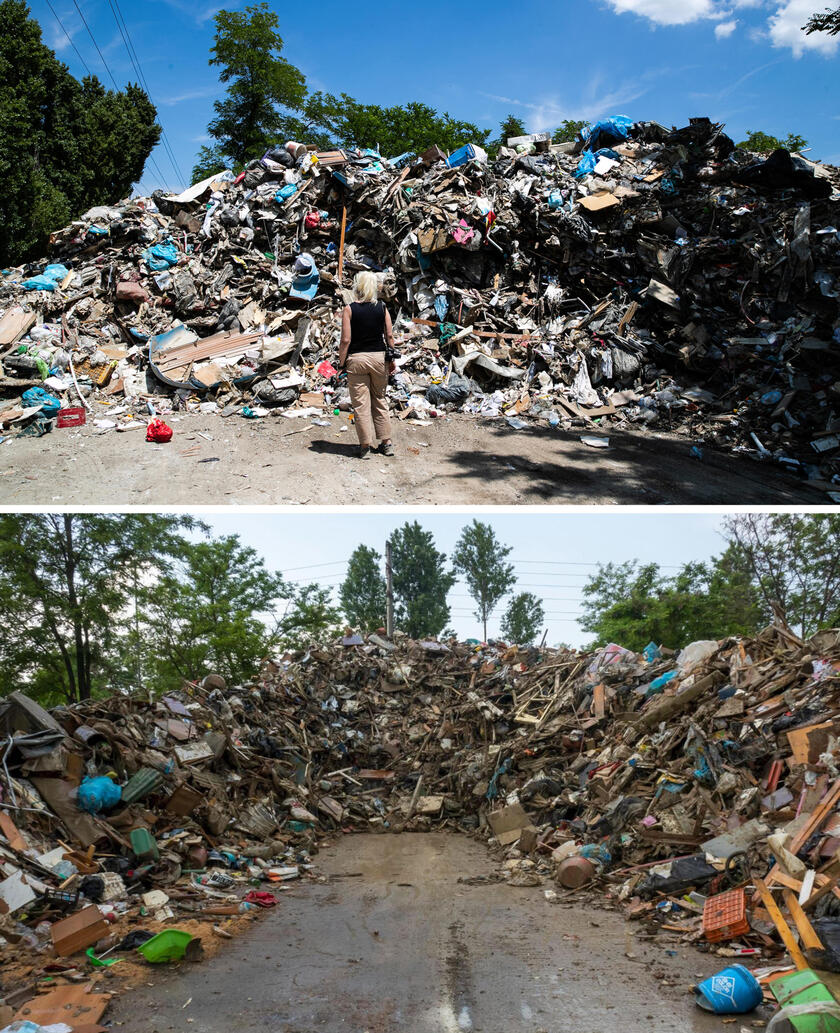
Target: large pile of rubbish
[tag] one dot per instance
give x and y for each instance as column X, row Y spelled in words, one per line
column 684, row 787
column 643, row 276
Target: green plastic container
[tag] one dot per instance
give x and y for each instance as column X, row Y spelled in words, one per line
column 170, row 945
column 143, row 845
column 145, row 781
column 805, row 987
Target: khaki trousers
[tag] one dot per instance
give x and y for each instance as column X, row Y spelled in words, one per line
column 367, row 378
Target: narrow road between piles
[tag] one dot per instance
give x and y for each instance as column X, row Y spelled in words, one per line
column 455, row 461
column 393, row 942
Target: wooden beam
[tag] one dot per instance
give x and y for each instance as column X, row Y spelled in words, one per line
column 807, row 937
column 782, row 926
column 820, row 814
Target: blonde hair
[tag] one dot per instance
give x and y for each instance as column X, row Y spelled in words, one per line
column 366, row 287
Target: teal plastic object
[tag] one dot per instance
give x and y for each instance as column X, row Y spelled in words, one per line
column 143, row 845
column 170, row 945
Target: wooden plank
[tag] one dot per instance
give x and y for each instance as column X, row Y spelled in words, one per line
column 477, row 333
column 599, row 701
column 784, row 930
column 14, row 324
column 830, row 886
column 807, row 937
column 811, row 825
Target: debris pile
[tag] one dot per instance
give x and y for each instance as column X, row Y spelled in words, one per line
column 688, row 788
column 641, row 277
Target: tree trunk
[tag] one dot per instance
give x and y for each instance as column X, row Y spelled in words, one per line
column 82, row 680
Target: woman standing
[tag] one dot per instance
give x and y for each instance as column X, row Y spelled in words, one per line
column 365, row 329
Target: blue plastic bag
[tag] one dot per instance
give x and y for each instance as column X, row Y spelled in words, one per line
column 555, row 200
column 38, row 396
column 658, row 684
column 98, row 794
column 284, row 193
column 586, row 165
column 56, row 273
column 39, row 283
column 161, row 256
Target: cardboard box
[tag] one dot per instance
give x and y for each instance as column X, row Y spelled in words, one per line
column 508, row 823
column 78, row 931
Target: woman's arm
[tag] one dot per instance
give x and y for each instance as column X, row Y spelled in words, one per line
column 345, row 336
column 389, row 338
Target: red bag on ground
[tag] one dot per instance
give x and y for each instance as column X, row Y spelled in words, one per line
column 158, row 431
column 261, row 899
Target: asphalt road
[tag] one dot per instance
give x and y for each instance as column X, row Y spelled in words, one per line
column 454, row 461
column 392, row 942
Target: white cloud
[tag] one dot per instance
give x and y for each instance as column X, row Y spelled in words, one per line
column 668, row 12
column 786, row 30
column 207, row 91
column 723, row 30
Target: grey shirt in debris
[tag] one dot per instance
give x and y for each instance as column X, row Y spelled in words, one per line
column 367, row 327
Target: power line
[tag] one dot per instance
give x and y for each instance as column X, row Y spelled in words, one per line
column 93, row 41
column 125, row 32
column 69, row 38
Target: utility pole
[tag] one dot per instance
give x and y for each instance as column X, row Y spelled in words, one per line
column 389, row 583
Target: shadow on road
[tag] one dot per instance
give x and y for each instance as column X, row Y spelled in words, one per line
column 642, row 468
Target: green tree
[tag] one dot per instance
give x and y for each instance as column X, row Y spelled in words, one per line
column 634, row 604
column 310, row 617
column 409, row 127
column 67, row 145
column 420, row 580
column 264, row 90
column 67, row 585
column 828, row 21
column 763, row 143
column 523, row 619
column 794, row 561
column 211, row 612
column 362, row 592
column 480, row 557
column 568, row 131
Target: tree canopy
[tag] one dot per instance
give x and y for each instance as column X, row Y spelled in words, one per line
column 568, row 131
column 523, row 619
column 211, row 611
column 420, row 580
column 268, row 101
column 480, row 557
column 362, row 592
column 826, row 21
column 67, row 145
column 67, row 586
column 763, row 143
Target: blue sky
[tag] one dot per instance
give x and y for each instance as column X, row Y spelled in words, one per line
column 744, row 62
column 553, row 554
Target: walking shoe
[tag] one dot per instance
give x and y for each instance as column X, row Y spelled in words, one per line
column 364, row 451
column 386, row 450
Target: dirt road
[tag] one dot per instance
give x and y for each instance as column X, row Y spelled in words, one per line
column 454, row 461
column 392, row 942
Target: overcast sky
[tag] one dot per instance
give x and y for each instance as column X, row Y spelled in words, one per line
column 553, row 553
column 744, row 62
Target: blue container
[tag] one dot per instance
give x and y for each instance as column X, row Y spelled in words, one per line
column 464, row 154
column 732, row 991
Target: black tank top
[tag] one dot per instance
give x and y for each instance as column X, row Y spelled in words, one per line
column 367, row 327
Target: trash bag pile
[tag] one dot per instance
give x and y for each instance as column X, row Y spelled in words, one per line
column 643, row 276
column 697, row 790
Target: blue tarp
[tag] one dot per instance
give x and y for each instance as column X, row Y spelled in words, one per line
column 161, row 256
column 38, row 396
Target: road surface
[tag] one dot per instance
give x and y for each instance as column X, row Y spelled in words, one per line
column 453, row 461
column 392, row 942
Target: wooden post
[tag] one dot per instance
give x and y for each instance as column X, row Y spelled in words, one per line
column 389, row 583
column 341, row 244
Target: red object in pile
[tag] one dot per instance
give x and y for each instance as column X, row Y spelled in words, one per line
column 72, row 417
column 158, row 431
